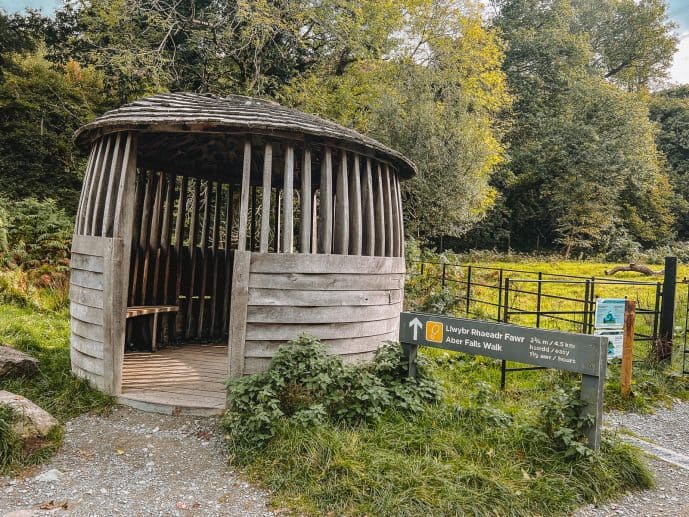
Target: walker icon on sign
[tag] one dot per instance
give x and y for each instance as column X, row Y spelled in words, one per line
column 434, row 331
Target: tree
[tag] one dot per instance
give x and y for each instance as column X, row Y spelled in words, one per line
column 40, row 108
column 583, row 157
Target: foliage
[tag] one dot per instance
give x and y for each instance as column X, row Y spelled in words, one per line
column 36, row 232
column 562, row 421
column 41, row 105
column 306, row 386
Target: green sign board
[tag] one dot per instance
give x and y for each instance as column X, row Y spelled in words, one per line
column 579, row 353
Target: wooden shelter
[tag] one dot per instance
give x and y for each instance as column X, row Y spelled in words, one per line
column 211, row 230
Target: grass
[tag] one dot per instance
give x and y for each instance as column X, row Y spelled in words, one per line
column 448, row 460
column 44, row 334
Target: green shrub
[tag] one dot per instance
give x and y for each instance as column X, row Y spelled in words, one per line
column 34, row 232
column 306, row 386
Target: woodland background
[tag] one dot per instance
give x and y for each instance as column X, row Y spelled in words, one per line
column 536, row 125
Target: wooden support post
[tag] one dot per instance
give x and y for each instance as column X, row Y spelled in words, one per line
column 166, row 235
column 244, row 200
column 216, row 259
column 238, row 308
column 627, row 348
column 663, row 347
column 204, row 258
column 380, row 213
column 314, row 222
column 111, row 189
column 341, row 227
column 96, row 216
column 387, row 198
column 325, row 222
column 265, row 205
column 88, row 176
column 179, row 239
column 193, row 230
column 305, row 228
column 355, row 222
column 85, row 226
column 369, row 214
column 396, row 239
column 227, row 286
column 288, row 202
column 401, row 216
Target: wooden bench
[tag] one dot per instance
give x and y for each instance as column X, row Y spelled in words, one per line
column 155, row 310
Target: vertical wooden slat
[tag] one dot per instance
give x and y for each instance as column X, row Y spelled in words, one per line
column 341, row 226
column 305, row 228
column 355, row 229
column 228, row 258
column 400, row 216
column 193, row 230
column 369, row 214
column 140, row 188
column 252, row 228
column 96, row 215
column 203, row 252
column 314, row 222
column 153, row 240
column 179, row 240
column 238, row 306
column 395, row 214
column 215, row 249
column 379, row 213
column 325, row 222
column 112, row 188
column 265, row 207
column 157, row 235
column 244, row 200
column 138, row 287
column 389, row 225
column 166, row 237
column 288, row 202
column 85, row 188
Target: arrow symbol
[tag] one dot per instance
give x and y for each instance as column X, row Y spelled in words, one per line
column 416, row 324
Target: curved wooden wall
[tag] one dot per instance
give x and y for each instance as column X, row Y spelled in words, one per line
column 351, row 303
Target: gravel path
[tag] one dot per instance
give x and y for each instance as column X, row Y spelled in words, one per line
column 669, row 428
column 134, row 463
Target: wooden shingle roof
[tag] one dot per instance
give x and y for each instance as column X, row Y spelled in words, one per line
column 174, row 112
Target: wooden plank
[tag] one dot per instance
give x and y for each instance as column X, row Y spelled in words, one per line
column 330, row 281
column 95, row 380
column 228, row 262
column 369, row 215
column 86, row 362
column 99, row 201
column 396, row 239
column 86, row 262
column 355, row 221
column 256, row 365
column 85, row 313
column 265, row 201
column 296, row 298
column 401, row 218
column 271, row 263
column 175, row 399
column 87, row 330
column 252, row 220
column 288, row 202
column 216, row 259
column 244, row 201
column 340, row 314
column 306, row 196
column 325, row 220
column 166, row 239
column 389, row 225
column 86, row 346
column 157, row 234
column 85, row 296
column 341, row 225
column 238, row 308
column 333, row 346
column 153, row 241
column 179, row 237
column 193, row 230
column 88, row 245
column 112, row 188
column 86, row 279
column 204, row 259
column 285, row 332
column 379, row 213
column 314, row 222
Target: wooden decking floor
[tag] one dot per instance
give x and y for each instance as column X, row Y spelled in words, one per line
column 183, row 378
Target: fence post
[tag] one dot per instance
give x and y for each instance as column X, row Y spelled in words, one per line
column 500, row 295
column 585, row 318
column 422, row 264
column 663, row 347
column 538, row 300
column 592, row 304
column 443, row 277
column 468, row 289
column 505, row 318
column 627, row 348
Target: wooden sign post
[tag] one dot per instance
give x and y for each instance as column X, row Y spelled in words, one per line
column 579, row 353
column 627, row 348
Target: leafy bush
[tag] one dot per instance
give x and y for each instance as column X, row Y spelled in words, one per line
column 304, row 385
column 34, row 232
column 562, row 421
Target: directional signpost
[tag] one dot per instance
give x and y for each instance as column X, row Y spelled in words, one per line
column 579, row 353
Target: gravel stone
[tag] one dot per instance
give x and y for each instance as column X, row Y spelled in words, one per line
column 665, row 427
column 135, row 463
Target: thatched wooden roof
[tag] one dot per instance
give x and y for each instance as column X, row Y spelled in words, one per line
column 184, row 112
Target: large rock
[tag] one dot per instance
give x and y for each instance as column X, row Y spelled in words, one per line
column 14, row 362
column 33, row 421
